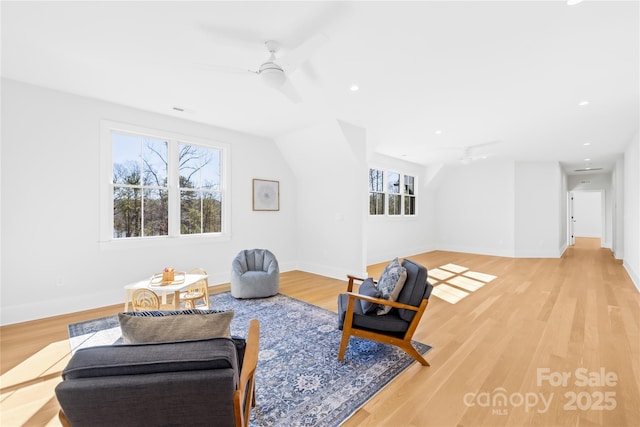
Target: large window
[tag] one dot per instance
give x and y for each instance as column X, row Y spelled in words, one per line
column 391, row 193
column 161, row 184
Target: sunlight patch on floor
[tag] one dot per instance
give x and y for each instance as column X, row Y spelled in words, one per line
column 466, row 283
column 21, row 406
column 47, row 361
column 486, row 278
column 440, row 274
column 455, row 268
column 448, row 293
column 457, row 282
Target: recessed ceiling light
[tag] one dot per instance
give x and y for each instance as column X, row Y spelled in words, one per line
column 438, row 132
column 573, row 2
column 354, row 88
column 587, row 144
column 583, row 103
column 587, row 159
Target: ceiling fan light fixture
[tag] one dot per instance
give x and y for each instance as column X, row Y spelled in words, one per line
column 273, row 75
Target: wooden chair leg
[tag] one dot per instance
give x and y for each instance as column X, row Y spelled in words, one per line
column 411, row 351
column 343, row 345
column 346, row 328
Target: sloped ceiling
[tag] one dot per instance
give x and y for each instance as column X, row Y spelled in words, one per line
column 434, row 76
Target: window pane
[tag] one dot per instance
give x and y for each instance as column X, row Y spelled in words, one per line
column 199, row 167
column 200, row 212
column 125, row 158
column 190, row 212
column 156, row 213
column 375, row 180
column 154, row 159
column 127, row 212
column 210, row 172
column 409, row 205
column 393, row 182
column 376, row 203
column 394, row 204
column 211, row 213
column 408, row 185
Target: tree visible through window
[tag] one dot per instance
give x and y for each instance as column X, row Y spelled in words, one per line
column 140, row 192
column 409, row 195
column 376, row 192
column 393, row 189
column 143, row 168
column 200, row 196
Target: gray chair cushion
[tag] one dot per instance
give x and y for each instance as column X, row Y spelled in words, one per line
column 150, row 358
column 391, row 322
column 415, row 288
column 369, row 289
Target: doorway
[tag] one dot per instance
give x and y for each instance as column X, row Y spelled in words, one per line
column 586, row 217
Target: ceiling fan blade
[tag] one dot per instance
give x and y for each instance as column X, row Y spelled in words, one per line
column 299, row 55
column 475, row 147
column 239, row 38
column 290, row 92
column 223, row 68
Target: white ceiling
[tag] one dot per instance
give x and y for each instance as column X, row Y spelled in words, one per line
column 477, row 71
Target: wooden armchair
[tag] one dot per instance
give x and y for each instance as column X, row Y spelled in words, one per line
column 396, row 327
column 186, row 382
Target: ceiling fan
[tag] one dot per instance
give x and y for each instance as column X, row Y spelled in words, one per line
column 275, row 72
column 469, row 153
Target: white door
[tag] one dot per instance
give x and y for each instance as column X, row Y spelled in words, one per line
column 572, row 239
column 587, row 214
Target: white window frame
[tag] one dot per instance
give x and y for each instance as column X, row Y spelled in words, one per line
column 108, row 127
column 402, row 193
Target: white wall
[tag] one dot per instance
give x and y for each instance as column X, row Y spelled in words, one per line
column 618, row 209
column 538, row 201
column 390, row 237
column 331, row 173
column 587, row 213
column 563, row 213
column 632, row 210
column 52, row 261
column 474, row 207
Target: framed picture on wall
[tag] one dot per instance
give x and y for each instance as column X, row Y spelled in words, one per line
column 266, row 195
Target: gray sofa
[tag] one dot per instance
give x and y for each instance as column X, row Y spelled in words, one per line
column 255, row 274
column 195, row 382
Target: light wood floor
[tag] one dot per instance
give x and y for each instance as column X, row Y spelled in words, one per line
column 510, row 339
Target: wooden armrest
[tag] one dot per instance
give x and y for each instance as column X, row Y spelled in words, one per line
column 382, row 301
column 246, row 386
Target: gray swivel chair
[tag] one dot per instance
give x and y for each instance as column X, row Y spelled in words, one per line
column 254, row 274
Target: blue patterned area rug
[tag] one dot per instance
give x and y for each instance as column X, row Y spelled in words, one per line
column 299, row 380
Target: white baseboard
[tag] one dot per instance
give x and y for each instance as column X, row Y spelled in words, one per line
column 379, row 257
column 632, row 274
column 59, row 306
